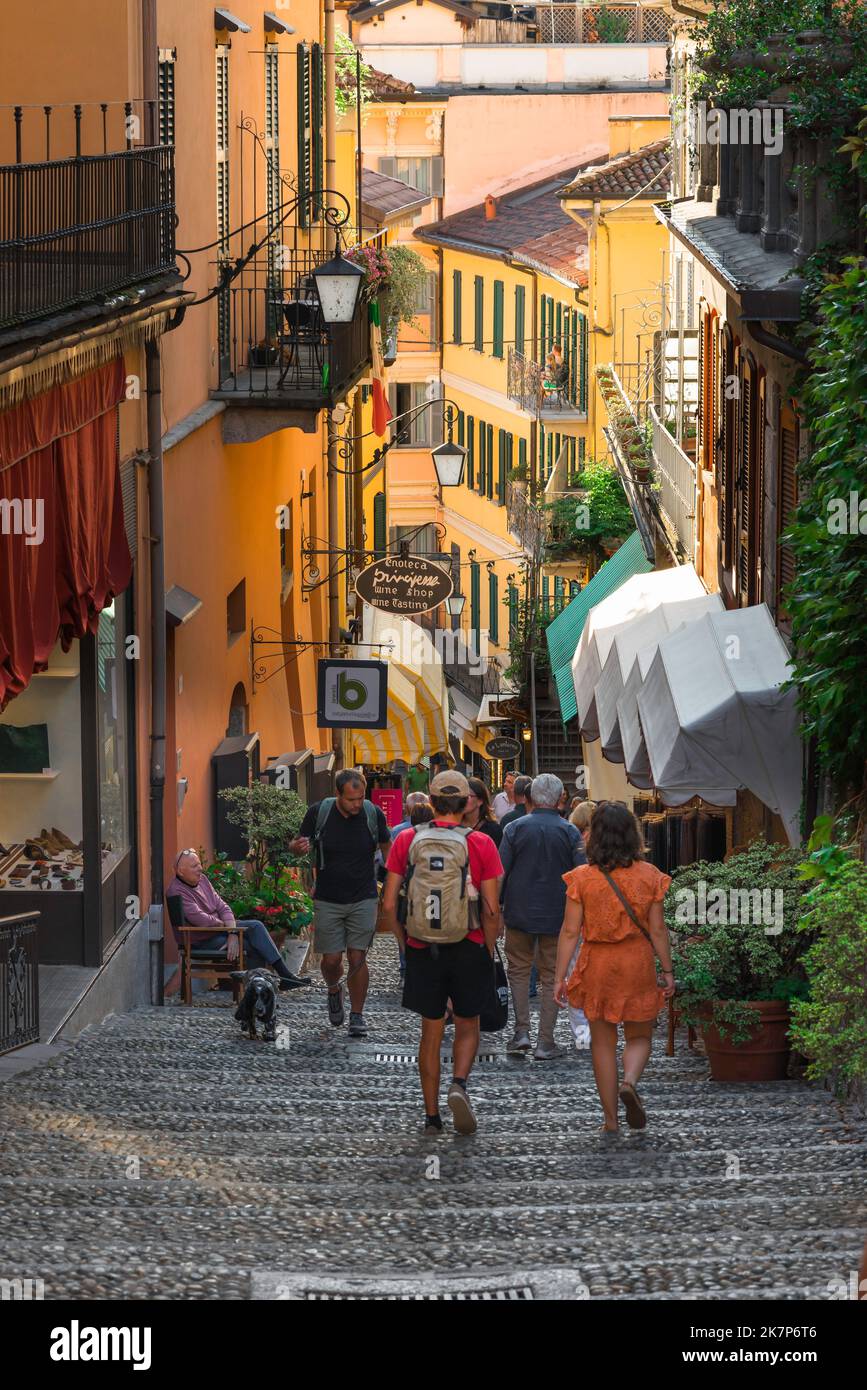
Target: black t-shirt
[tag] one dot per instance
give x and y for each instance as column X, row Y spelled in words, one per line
column 491, row 828
column 348, row 851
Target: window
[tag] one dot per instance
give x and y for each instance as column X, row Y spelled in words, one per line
column 422, row 172
column 493, row 606
column 167, row 59
column 457, row 284
column 286, row 538
column 558, row 594
column 236, row 612
column 479, row 325
column 582, row 370
column 498, row 318
column 520, row 313
column 419, row 431
column 420, row 541
column 522, row 456
column 426, row 306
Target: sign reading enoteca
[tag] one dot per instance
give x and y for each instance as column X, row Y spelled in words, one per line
column 404, row 584
column 352, row 695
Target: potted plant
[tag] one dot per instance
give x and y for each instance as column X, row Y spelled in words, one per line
column 279, row 900
column 264, row 354
column 739, row 958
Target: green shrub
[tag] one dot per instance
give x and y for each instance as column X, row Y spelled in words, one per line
column 830, row 1028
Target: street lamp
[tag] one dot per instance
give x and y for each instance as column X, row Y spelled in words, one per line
column 449, row 460
column 338, row 283
column 455, row 605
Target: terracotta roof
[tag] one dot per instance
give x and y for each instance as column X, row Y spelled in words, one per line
column 382, row 84
column 365, row 8
column 530, row 225
column 645, row 172
column 383, row 197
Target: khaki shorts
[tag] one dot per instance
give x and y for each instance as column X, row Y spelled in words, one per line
column 338, row 927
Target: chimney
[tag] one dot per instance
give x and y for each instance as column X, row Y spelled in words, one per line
column 490, row 207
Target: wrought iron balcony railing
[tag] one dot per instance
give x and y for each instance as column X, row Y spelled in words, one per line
column 525, row 520
column 538, row 389
column 275, row 348
column 78, row 229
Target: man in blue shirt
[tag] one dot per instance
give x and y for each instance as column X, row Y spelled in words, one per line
column 537, row 849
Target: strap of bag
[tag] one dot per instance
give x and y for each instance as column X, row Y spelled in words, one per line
column 324, row 811
column 628, row 907
column 372, row 822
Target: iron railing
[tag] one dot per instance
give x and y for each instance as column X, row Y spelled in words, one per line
column 19, row 981
column 537, row 389
column 525, row 520
column 274, row 344
column 75, row 231
column 676, row 475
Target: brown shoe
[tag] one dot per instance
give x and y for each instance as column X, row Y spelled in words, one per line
column 636, row 1116
column 62, row 840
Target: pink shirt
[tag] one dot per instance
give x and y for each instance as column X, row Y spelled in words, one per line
column 203, row 906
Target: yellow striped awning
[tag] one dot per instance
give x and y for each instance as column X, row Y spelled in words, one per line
column 418, row 710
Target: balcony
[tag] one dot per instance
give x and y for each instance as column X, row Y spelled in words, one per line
column 574, row 24
column 676, row 475
column 525, row 521
column 548, row 396
column 275, row 350
column 84, row 234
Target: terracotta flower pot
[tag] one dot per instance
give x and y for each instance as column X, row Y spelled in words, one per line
column 764, row 1057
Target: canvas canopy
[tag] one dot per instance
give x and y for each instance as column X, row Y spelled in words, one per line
column 639, row 595
column 715, row 717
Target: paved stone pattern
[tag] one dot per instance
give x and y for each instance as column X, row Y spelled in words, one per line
column 163, row 1156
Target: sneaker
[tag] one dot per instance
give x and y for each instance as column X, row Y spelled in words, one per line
column 357, row 1026
column 291, row 981
column 548, row 1052
column 336, row 1011
column 582, row 1038
column 462, row 1112
column 433, row 1125
column 519, row 1045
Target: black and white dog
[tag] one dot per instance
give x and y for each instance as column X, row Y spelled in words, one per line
column 258, row 1002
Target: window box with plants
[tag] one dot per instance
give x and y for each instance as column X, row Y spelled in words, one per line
column 739, row 958
column 631, row 439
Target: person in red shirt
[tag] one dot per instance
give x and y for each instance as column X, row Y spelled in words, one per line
column 459, row 971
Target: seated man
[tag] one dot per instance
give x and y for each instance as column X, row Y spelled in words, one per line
column 203, row 907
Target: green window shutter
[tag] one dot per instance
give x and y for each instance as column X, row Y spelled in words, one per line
column 582, row 453
column 503, row 465
column 551, row 337
column 571, row 465
column 513, row 611
column 546, row 594
column 543, row 331
column 475, row 601
column 483, row 441
column 558, row 336
column 493, row 607
column 379, row 518
column 522, row 454
column 479, row 325
column 457, row 286
column 461, row 427
column 574, row 358
column 489, row 462
column 499, row 291
column 317, row 110
column 303, row 172
column 582, row 370
column 558, row 594
column 471, row 451
column 520, row 310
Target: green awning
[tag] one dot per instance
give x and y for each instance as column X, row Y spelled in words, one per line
column 564, row 633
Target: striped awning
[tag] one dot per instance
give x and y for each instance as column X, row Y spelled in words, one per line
column 418, row 707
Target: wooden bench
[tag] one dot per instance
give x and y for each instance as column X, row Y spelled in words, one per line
column 201, row 960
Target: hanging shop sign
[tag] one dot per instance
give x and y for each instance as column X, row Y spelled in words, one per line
column 405, row 584
column 352, row 695
column 505, row 749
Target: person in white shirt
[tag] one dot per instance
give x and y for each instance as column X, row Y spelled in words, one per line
column 504, row 801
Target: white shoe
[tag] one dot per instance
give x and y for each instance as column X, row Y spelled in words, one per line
column 582, row 1038
column 544, row 1053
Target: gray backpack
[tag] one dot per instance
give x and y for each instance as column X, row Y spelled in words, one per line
column 438, row 866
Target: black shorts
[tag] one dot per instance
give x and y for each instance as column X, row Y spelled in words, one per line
column 461, row 972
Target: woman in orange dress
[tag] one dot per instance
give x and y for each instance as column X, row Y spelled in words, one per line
column 614, row 980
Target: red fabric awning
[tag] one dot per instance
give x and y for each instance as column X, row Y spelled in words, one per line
column 59, row 450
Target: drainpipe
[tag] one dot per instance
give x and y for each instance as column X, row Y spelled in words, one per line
column 158, row 664
column 775, row 342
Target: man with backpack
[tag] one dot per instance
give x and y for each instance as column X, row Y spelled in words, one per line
column 344, row 831
column 450, row 917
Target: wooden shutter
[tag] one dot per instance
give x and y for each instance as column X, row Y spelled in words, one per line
column 513, row 611
column 304, row 127
column 543, row 328
column 317, row 123
column 501, row 468
column 166, row 91
column 574, row 357
column 498, row 318
column 479, row 325
column 522, row 455
column 520, row 311
column 493, row 606
column 129, row 495
column 745, row 481
column 388, row 166
column 471, row 451
column 787, row 501
column 702, row 393
column 379, row 519
column 475, row 600
column 489, row 456
column 483, row 449
column 461, row 427
column 558, row 336
column 758, row 534
column 728, row 446
column 437, row 184
column 582, row 397
column 457, row 285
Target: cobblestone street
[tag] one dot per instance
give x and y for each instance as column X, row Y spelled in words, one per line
column 162, row 1156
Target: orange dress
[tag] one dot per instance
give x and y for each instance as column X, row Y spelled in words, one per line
column 615, row 975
